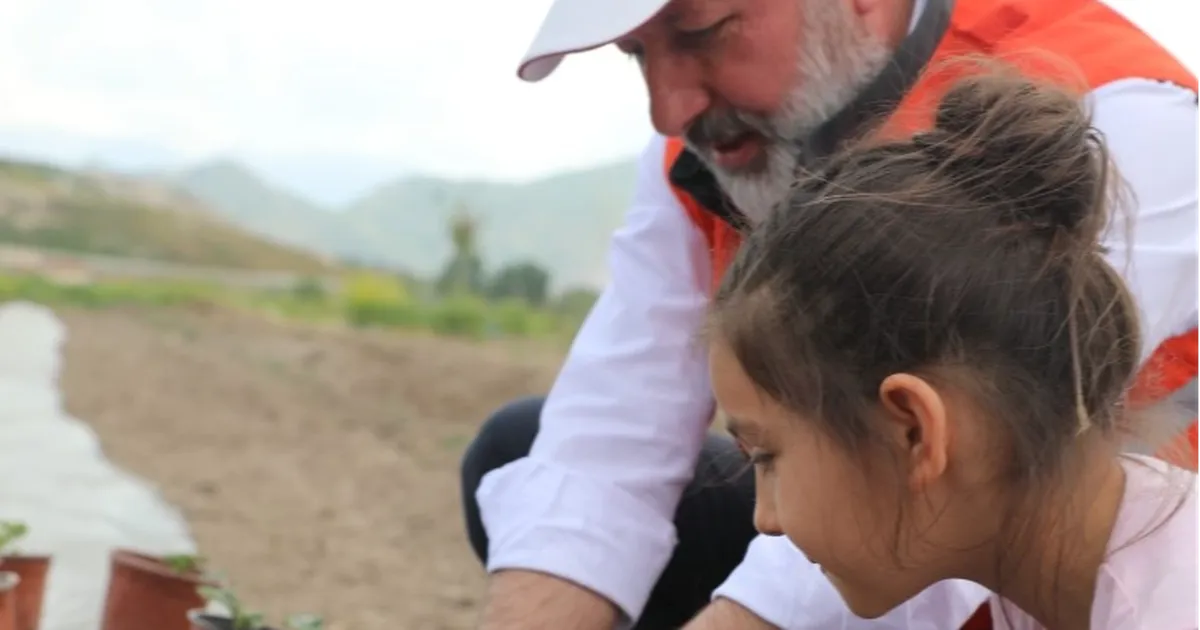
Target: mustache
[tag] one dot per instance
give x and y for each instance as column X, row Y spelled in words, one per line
column 717, row 127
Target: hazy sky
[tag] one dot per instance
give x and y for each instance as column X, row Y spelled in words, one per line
column 376, row 85
column 427, row 86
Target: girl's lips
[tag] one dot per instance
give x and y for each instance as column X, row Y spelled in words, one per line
column 738, row 153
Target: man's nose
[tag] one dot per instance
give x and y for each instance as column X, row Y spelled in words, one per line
column 677, row 94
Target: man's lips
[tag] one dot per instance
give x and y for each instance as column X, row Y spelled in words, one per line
column 737, row 154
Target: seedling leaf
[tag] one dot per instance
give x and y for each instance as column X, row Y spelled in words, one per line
column 184, row 563
column 11, row 532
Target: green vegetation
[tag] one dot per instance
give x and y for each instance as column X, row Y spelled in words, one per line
column 366, row 300
column 111, row 293
column 45, row 207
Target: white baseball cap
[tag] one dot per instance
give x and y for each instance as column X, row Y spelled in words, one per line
column 579, row 25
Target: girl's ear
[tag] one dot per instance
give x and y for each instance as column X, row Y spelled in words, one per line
column 916, row 416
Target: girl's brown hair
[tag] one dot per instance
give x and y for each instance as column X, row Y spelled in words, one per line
column 969, row 254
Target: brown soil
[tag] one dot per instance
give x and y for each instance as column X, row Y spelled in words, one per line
column 317, row 468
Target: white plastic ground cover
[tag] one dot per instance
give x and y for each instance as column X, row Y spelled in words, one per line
column 53, row 476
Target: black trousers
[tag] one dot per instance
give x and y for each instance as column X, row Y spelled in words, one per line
column 714, row 522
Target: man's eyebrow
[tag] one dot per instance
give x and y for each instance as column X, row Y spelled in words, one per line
column 677, row 10
column 670, row 14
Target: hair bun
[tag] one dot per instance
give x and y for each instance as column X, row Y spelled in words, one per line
column 1029, row 148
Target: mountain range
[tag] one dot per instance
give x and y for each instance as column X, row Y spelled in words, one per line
column 103, row 213
column 562, row 223
column 224, row 213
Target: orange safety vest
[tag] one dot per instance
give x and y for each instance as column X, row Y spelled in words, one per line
column 1036, row 36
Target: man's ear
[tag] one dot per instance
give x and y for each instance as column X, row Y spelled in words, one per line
column 917, row 413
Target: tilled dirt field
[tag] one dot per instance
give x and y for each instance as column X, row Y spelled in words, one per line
column 317, row 468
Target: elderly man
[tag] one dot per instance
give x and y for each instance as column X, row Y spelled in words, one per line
column 624, row 511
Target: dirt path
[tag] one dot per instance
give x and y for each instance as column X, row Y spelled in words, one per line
column 316, row 468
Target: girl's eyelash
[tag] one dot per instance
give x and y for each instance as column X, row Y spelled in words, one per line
column 761, row 459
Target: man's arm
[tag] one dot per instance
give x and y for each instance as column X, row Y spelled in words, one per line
column 621, row 430
column 725, row 614
column 538, row 601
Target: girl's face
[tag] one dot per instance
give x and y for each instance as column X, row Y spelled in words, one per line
column 856, row 522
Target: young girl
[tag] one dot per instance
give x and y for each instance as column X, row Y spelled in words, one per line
column 926, row 356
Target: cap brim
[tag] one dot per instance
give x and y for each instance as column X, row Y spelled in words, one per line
column 578, row 25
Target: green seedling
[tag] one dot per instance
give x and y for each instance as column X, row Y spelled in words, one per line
column 184, row 563
column 10, row 533
column 240, row 617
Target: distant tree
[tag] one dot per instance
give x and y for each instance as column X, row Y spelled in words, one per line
column 570, row 308
column 576, row 301
column 309, row 289
column 573, row 306
column 463, row 274
column 523, row 280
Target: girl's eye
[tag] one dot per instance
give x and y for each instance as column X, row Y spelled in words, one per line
column 762, row 459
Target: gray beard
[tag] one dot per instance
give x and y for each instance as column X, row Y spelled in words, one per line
column 837, row 59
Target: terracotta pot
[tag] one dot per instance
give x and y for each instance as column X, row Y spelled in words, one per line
column 32, row 589
column 9, row 581
column 203, row 621
column 144, row 593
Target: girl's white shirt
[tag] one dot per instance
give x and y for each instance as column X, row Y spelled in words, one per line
column 1149, row 580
